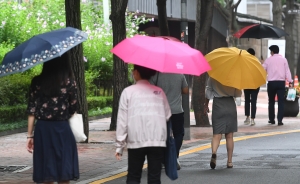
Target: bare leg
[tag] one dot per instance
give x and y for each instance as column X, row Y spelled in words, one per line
column 229, row 146
column 49, row 183
column 215, row 142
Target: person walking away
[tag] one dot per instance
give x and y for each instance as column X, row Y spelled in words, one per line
column 142, row 126
column 278, row 72
column 250, row 97
column 224, row 117
column 52, row 101
column 174, row 85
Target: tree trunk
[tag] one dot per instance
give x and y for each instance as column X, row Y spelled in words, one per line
column 120, row 69
column 162, row 17
column 230, row 38
column 288, row 27
column 298, row 65
column 203, row 23
column 73, row 19
column 277, row 13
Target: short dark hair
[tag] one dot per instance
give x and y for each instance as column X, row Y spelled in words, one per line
column 251, row 51
column 274, row 49
column 145, row 73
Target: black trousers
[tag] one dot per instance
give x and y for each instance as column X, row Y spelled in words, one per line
column 136, row 158
column 250, row 97
column 276, row 87
column 178, row 130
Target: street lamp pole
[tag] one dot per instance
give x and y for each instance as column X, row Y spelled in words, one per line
column 185, row 97
column 106, row 11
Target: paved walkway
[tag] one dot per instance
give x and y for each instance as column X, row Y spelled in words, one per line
column 97, row 159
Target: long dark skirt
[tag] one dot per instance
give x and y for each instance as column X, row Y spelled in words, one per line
column 55, row 155
column 224, row 115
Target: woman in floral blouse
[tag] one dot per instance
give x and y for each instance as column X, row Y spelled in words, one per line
column 52, row 101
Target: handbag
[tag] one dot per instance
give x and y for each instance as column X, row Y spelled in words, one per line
column 291, row 95
column 170, row 159
column 76, row 124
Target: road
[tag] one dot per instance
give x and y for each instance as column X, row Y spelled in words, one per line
column 263, row 160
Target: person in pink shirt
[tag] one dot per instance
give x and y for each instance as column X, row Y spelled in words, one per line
column 278, row 72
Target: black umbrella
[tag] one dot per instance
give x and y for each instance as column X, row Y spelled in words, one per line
column 259, row 31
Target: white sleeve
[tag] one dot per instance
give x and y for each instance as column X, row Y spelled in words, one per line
column 122, row 123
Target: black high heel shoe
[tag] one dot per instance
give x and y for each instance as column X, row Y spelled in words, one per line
column 213, row 161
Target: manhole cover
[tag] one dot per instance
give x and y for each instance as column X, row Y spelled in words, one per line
column 14, row 168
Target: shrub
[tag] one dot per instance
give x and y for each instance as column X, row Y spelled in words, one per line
column 18, row 112
column 99, row 102
column 4, row 48
column 12, row 113
column 14, row 89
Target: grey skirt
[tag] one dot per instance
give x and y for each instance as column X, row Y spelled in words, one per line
column 224, row 115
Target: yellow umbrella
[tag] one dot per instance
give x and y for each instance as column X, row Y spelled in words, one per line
column 236, row 68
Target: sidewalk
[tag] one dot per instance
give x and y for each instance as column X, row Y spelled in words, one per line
column 97, row 158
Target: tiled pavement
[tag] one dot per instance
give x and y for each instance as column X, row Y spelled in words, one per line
column 97, row 157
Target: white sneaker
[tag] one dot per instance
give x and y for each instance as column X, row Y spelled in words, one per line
column 252, row 122
column 178, row 165
column 247, row 121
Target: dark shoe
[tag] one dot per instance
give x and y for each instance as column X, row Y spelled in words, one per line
column 280, row 123
column 272, row 122
column 178, row 165
column 213, row 161
column 229, row 165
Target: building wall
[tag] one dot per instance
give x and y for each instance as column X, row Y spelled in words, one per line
column 262, row 9
column 259, row 45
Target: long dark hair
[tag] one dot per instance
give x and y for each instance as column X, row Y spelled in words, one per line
column 55, row 73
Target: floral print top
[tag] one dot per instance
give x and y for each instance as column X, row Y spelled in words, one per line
column 53, row 108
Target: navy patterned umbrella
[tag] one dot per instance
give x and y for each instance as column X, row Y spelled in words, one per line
column 41, row 48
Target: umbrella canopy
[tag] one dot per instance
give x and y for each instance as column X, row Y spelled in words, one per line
column 259, row 31
column 161, row 54
column 41, row 48
column 236, row 68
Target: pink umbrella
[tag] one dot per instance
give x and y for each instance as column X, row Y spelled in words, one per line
column 161, row 54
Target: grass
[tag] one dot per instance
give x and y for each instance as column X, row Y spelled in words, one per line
column 98, row 111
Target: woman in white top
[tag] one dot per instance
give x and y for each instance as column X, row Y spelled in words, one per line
column 224, row 117
column 141, row 125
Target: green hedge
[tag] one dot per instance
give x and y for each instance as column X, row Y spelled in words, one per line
column 17, row 112
column 12, row 113
column 99, row 102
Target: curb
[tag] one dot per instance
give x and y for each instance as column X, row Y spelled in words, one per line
column 15, row 131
